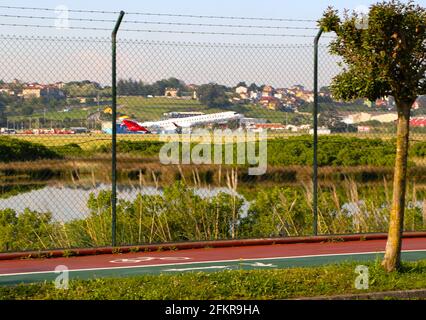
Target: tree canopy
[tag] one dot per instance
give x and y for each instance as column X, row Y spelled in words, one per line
column 386, row 58
column 3, row 118
column 132, row 87
column 213, row 95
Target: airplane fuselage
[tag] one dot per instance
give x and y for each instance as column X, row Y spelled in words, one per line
column 188, row 122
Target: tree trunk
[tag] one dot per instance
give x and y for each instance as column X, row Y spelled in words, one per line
column 392, row 257
column 424, row 213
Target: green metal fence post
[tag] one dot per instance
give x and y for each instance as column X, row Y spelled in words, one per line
column 315, row 143
column 114, row 131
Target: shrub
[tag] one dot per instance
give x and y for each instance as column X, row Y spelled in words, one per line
column 70, row 149
column 18, row 150
column 418, row 149
column 144, row 148
column 332, row 151
column 27, row 230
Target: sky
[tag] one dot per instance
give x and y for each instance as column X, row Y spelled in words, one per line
column 295, row 9
column 83, row 58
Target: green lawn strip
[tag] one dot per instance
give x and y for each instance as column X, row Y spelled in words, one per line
column 236, row 284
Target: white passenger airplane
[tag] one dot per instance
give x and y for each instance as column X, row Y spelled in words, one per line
column 175, row 125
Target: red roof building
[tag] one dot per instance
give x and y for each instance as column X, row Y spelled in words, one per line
column 270, row 103
column 269, row 126
column 418, row 122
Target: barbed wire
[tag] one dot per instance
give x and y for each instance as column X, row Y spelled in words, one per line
column 160, row 43
column 161, row 23
column 56, row 10
column 163, row 14
column 164, row 31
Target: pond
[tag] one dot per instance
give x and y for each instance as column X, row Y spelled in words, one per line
column 70, row 202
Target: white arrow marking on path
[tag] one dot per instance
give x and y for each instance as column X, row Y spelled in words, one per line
column 199, row 268
column 144, row 259
column 260, row 264
column 256, row 264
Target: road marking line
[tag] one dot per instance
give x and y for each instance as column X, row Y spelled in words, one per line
column 198, row 268
column 260, row 264
column 143, row 259
column 256, row 264
column 212, row 261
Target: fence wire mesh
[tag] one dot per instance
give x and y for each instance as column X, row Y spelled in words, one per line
column 55, row 160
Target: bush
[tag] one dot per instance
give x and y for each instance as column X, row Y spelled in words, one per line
column 277, row 212
column 27, row 230
column 19, row 150
column 332, row 151
column 145, row 148
column 71, row 149
column 418, row 149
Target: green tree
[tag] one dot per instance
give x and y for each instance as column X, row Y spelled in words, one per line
column 3, row 117
column 383, row 56
column 325, row 89
column 213, row 95
column 27, row 110
column 84, row 88
column 159, row 87
column 334, row 122
column 253, row 87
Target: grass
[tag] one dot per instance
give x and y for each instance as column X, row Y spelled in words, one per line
column 255, row 284
column 85, row 141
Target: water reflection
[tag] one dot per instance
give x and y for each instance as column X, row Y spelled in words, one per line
column 70, row 202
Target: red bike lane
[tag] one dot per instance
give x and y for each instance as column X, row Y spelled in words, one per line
column 189, row 256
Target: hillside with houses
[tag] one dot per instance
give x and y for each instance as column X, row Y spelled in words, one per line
column 267, row 107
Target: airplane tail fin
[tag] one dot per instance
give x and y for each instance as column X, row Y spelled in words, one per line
column 134, row 126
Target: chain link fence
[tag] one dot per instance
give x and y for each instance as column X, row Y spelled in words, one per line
column 55, row 159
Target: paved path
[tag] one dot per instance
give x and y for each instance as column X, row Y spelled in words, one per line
column 231, row 258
